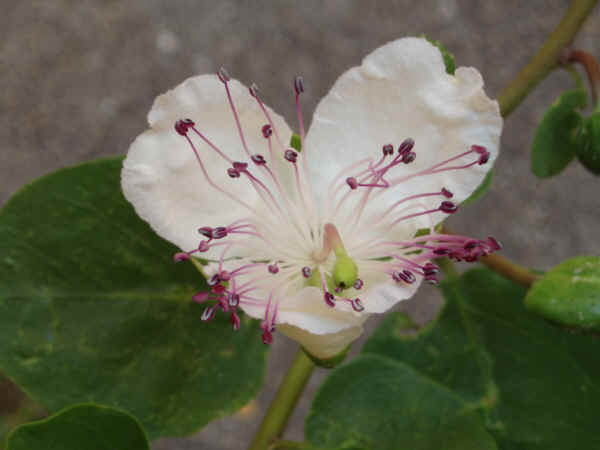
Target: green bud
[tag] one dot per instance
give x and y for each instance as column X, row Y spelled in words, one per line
column 345, row 271
column 296, row 142
column 588, row 143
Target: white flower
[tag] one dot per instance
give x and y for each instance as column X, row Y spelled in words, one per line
column 316, row 241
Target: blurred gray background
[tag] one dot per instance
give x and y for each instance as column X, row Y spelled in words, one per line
column 78, row 78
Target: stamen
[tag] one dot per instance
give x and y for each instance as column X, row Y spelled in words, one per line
column 448, row 207
column 200, row 297
column 208, row 314
column 273, row 268
column 219, row 233
column 357, row 305
column 182, row 126
column 223, row 75
column 181, row 256
column 358, row 284
column 306, row 272
column 267, row 131
column 291, row 156
column 235, row 321
column 388, row 149
column 207, row 232
column 406, row 146
column 259, row 160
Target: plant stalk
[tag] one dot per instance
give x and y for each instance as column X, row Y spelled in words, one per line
column 547, row 58
column 275, row 420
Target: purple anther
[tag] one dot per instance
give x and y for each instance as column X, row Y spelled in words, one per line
column 253, row 90
column 329, row 299
column 213, row 280
column 267, row 131
column 430, row 269
column 441, row 251
column 409, row 157
column 479, row 149
column 223, row 75
column 432, row 279
column 446, row 193
column 358, row 284
column 387, row 149
column 259, row 160
column 267, row 337
column 240, row 166
column 207, row 232
column 233, row 300
column 203, row 246
column 208, row 313
column 290, row 155
column 182, row 126
column 351, row 181
column 200, row 297
column 218, row 289
column 406, row 146
column 224, row 275
column 494, row 244
column 306, row 272
column 410, row 277
column 299, row 85
column 448, row 207
column 181, row 256
column 471, row 244
column 406, row 276
column 483, row 158
column 337, row 289
column 235, row 321
column 357, row 305
column 233, row 173
column 219, row 232
column 273, row 268
column 223, row 303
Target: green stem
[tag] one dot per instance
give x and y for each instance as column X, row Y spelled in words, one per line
column 547, row 58
column 275, row 420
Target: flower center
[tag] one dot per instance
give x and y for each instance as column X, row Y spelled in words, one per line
column 288, row 228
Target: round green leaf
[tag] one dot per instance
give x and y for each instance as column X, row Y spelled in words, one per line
column 588, row 143
column 81, row 427
column 569, row 293
column 555, row 139
column 535, row 384
column 378, row 403
column 92, row 308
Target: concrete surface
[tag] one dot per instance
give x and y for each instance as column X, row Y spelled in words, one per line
column 78, row 77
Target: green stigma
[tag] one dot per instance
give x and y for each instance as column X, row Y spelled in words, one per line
column 345, row 271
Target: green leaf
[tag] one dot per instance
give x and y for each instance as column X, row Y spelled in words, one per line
column 92, row 308
column 377, row 403
column 555, row 139
column 481, row 189
column 535, row 385
column 588, row 143
column 81, row 427
column 296, row 142
column 569, row 293
column 446, row 55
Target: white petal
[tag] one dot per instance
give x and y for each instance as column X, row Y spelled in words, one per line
column 402, row 90
column 382, row 296
column 161, row 176
column 322, row 345
column 307, row 310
